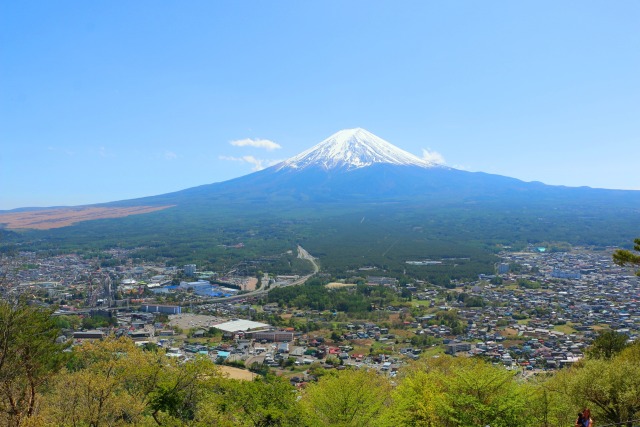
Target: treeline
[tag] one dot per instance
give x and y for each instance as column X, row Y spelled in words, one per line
column 344, row 238
column 115, row 383
column 315, row 296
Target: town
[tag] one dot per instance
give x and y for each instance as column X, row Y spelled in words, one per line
column 538, row 312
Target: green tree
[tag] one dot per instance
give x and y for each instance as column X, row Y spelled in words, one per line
column 181, row 390
column 29, row 356
column 457, row 392
column 336, row 337
column 607, row 344
column 548, row 408
column 114, row 383
column 348, row 398
column 608, row 387
column 62, row 322
column 266, row 401
column 624, row 257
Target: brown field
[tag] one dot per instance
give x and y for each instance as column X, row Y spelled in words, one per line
column 336, row 285
column 510, row 332
column 46, row 219
column 237, row 373
column 250, row 284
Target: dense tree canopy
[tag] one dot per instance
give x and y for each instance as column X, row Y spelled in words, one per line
column 610, row 387
column 29, row 355
column 459, row 392
column 607, row 344
column 349, row 398
column 115, row 383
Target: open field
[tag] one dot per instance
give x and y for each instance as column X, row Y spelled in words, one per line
column 566, row 329
column 250, row 284
column 46, row 219
column 337, row 285
column 237, row 373
column 188, row 321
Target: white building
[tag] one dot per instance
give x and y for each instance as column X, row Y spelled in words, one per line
column 190, row 269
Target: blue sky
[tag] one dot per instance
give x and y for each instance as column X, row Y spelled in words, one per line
column 107, row 100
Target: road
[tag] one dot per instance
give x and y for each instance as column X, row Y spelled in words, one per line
column 302, row 253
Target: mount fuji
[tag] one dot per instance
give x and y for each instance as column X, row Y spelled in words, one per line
column 351, row 149
column 356, row 166
column 355, row 190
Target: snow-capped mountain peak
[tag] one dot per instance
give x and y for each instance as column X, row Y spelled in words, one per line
column 352, row 149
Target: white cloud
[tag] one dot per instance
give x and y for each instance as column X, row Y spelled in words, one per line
column 231, row 159
column 61, row 150
column 170, row 155
column 432, row 157
column 258, row 164
column 103, row 152
column 258, row 143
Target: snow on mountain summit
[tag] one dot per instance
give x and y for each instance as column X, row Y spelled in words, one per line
column 352, row 149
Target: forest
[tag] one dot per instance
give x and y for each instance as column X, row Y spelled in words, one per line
column 315, row 296
column 379, row 237
column 115, row 383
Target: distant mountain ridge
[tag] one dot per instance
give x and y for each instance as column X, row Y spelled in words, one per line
column 354, row 165
column 353, row 200
column 354, row 172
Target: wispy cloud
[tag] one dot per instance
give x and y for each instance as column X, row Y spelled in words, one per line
column 61, row 150
column 258, row 164
column 432, row 157
column 257, row 143
column 170, row 155
column 104, row 153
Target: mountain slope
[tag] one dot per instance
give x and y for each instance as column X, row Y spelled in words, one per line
column 351, row 149
column 353, row 200
column 353, row 165
column 327, row 190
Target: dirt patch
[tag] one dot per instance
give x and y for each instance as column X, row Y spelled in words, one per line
column 509, row 332
column 337, row 285
column 237, row 373
column 250, row 284
column 46, row 219
column 188, row 321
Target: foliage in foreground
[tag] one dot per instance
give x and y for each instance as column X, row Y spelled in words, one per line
column 29, row 357
column 625, row 257
column 115, row 383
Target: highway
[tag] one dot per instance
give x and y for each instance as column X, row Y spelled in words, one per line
column 302, row 253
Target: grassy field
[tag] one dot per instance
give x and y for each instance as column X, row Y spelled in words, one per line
column 237, row 373
column 566, row 329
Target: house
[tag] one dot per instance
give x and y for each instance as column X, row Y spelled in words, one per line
column 139, row 335
column 91, row 335
column 454, row 347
